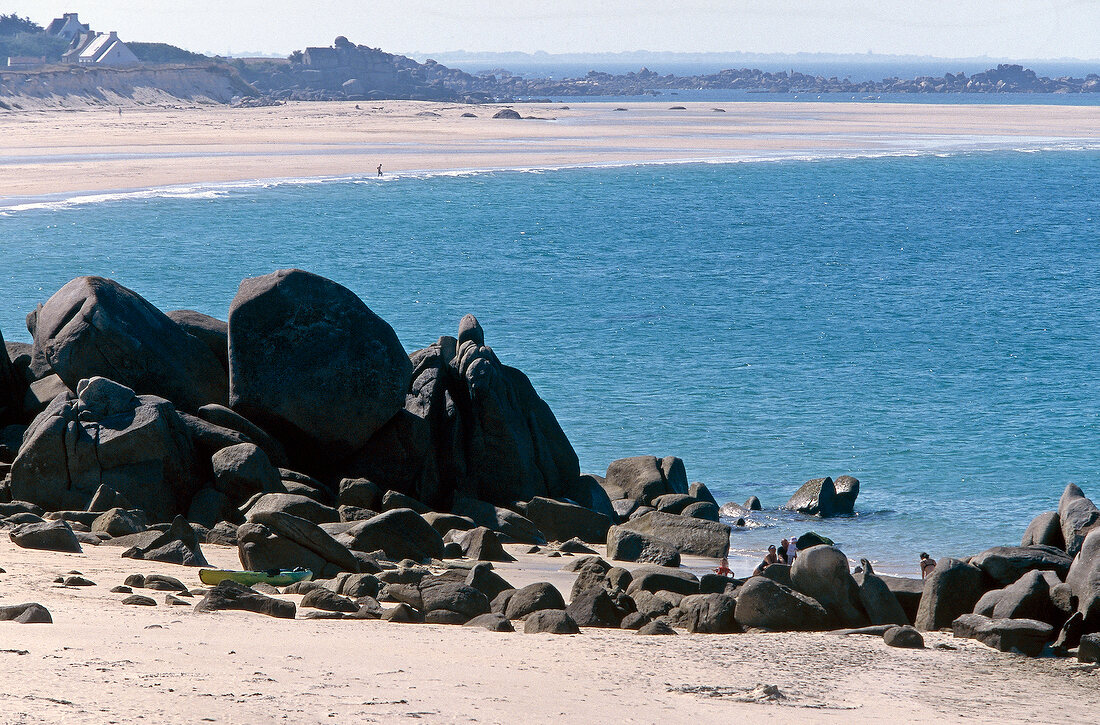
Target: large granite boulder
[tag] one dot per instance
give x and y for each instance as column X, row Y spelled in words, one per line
column 106, row 435
column 644, row 478
column 907, row 591
column 1027, row 598
column 816, row 497
column 561, row 520
column 533, row 598
column 846, row 489
column 481, row 544
column 878, row 601
column 1084, row 581
column 766, row 604
column 821, row 572
column 293, row 504
column 626, row 545
column 1044, row 529
column 95, row 326
column 685, row 534
column 709, row 614
column 401, row 533
column 1026, row 636
column 178, row 545
column 1006, row 564
column 243, row 470
column 48, row 535
column 340, row 372
column 952, row 589
column 1078, row 516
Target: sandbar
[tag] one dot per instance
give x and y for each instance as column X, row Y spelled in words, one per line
column 64, row 151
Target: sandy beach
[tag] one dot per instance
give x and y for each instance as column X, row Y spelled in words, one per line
column 57, row 152
column 102, row 661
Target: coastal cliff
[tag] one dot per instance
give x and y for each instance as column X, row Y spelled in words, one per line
column 79, row 87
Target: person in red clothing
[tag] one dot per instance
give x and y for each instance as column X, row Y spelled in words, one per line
column 723, row 568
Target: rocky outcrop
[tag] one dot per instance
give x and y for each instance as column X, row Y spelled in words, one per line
column 1006, row 564
column 1045, row 529
column 820, row 497
column 1025, row 636
column 106, row 435
column 340, row 374
column 821, row 572
column 96, row 327
column 1084, row 581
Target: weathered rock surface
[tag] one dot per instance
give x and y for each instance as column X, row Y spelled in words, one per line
column 231, row 595
column 13, row 387
column 177, row 545
column 821, row 572
column 685, row 534
column 401, row 533
column 482, row 544
column 765, row 604
column 550, row 621
column 951, row 590
column 626, row 545
column 96, row 327
column 230, row 419
column 136, row 445
column 29, row 613
column 660, row 578
column 903, row 636
column 1084, row 581
column 709, row 613
column 643, row 478
column 533, row 598
column 1045, row 529
column 210, row 331
column 1006, row 564
column 561, row 520
column 499, row 519
column 340, row 374
column 293, row 504
column 880, row 604
column 492, row 622
column 818, row 497
column 50, row 535
column 1026, row 636
column 1078, row 516
column 278, row 540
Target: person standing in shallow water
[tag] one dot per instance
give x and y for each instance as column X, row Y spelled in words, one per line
column 379, row 169
column 927, row 565
column 723, row 568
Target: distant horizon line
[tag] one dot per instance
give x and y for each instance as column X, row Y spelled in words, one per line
column 687, row 56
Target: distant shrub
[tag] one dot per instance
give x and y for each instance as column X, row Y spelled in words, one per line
column 14, row 25
column 164, row 53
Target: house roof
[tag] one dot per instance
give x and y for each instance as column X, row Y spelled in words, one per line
column 97, row 47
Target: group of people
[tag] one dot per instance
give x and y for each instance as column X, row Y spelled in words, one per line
column 784, row 554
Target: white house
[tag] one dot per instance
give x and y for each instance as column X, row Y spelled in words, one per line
column 99, row 49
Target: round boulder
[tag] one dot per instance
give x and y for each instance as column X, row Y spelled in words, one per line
column 340, row 372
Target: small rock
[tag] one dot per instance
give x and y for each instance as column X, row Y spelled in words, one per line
column 175, row 601
column 657, row 626
column 551, row 621
column 905, row 636
column 78, row 581
column 122, row 589
column 140, row 600
column 30, row 613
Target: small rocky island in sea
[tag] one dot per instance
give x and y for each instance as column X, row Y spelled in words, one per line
column 302, row 434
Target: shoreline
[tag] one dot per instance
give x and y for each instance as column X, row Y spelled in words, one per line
column 200, row 189
column 101, row 151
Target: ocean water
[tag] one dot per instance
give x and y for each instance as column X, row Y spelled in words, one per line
column 928, row 323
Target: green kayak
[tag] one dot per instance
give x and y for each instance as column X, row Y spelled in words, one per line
column 274, row 577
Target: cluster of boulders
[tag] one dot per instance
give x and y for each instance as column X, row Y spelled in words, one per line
column 301, row 432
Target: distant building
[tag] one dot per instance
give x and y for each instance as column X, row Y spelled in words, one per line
column 68, row 26
column 92, row 48
column 320, row 58
column 24, row 62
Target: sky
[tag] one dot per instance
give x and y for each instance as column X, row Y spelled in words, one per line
column 1019, row 29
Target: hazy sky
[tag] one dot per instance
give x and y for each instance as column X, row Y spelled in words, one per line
column 1022, row 29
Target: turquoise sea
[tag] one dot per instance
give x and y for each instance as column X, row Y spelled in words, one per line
column 928, row 323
